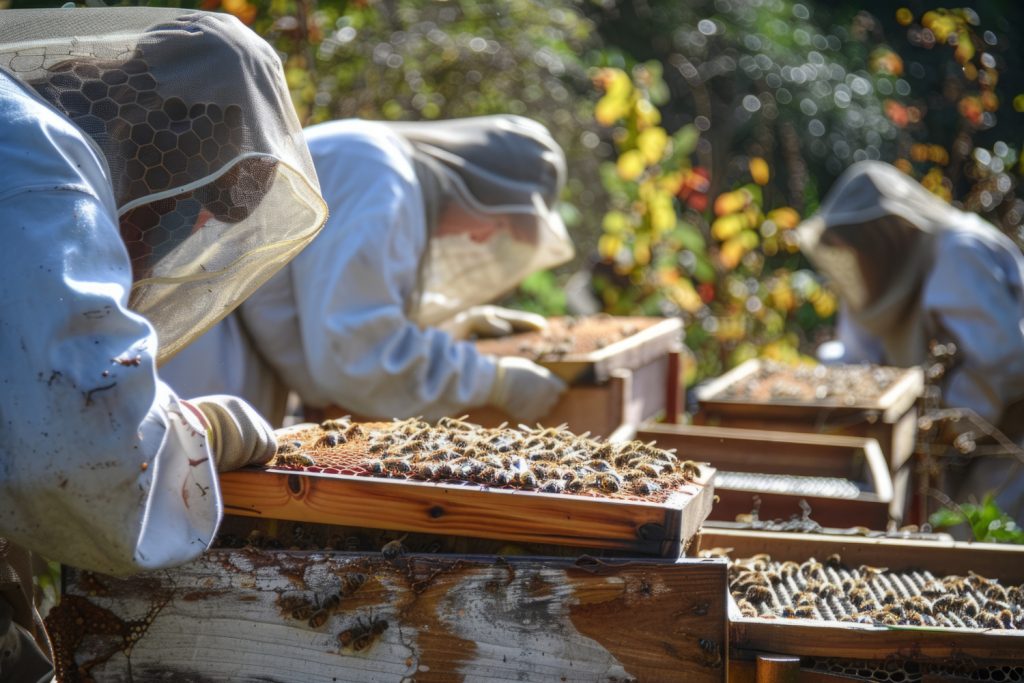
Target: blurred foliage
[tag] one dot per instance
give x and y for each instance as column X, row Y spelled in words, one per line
column 987, row 522
column 730, row 269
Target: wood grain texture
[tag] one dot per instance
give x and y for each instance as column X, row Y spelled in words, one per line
column 464, row 510
column 221, row 618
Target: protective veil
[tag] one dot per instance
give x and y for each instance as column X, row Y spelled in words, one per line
column 505, row 171
column 213, row 185
column 349, row 296
column 910, row 268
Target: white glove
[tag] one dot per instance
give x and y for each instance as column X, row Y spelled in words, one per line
column 525, row 390
column 494, row 321
column 238, row 436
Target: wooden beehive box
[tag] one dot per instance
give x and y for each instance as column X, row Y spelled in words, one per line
column 621, row 370
column 311, row 617
column 872, row 650
column 868, row 401
column 338, row 487
column 844, row 479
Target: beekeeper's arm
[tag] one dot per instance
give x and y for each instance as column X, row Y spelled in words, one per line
column 103, row 467
column 974, row 294
column 353, row 287
column 853, row 343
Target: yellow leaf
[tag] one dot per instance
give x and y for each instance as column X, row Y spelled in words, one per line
column 663, row 215
column 609, row 246
column 726, row 227
column 731, row 202
column 631, row 165
column 652, row 142
column 646, row 114
column 964, row 47
column 759, row 171
column 615, row 222
column 732, row 252
column 610, row 109
column 686, row 297
column 904, row 16
column 785, row 217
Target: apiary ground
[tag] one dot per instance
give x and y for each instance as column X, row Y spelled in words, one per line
column 462, row 453
column 567, row 338
column 841, row 385
column 832, row 591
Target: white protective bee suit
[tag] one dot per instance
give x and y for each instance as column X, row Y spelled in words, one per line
column 911, row 269
column 143, row 207
column 353, row 320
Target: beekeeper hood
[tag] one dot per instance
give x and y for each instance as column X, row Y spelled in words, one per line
column 214, row 186
column 874, row 237
column 502, row 173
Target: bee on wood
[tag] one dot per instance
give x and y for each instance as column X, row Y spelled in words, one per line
column 303, row 611
column 690, row 469
column 331, row 439
column 396, row 465
column 574, row 485
column 869, row 572
column 393, row 549
column 645, row 487
column 835, row 561
column 319, row 617
column 887, row 618
column 553, row 486
column 1006, row 619
column 504, row 477
column 806, row 612
column 363, row 634
column 606, row 482
column 526, row 479
column 598, row 465
column 759, row 595
column 427, row 470
column 374, row 466
column 788, row 612
column 294, row 460
column 987, row 620
column 648, row 469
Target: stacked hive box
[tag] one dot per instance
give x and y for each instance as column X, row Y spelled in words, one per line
column 280, row 601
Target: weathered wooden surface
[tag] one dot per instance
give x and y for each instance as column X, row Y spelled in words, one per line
column 469, row 510
column 230, row 617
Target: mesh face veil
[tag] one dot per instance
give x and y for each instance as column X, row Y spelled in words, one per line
column 214, row 186
column 498, row 174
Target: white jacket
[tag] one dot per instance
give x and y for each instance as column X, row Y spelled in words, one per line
column 973, row 295
column 333, row 325
column 101, row 466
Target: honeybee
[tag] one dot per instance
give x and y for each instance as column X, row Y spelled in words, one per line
column 887, row 618
column 526, row 479
column 574, row 485
column 303, row 611
column 746, row 609
column 861, row 597
column 759, row 594
column 457, row 423
column 294, row 460
column 788, row 612
column 392, row 549
column 805, row 612
column 331, row 439
column 918, row 603
column 288, row 447
column 427, row 470
column 996, row 592
column 834, row 561
column 828, row 590
column 319, row 617
column 606, row 482
column 553, row 486
column 396, row 465
column 339, row 424
column 645, row 487
column 869, row 572
column 504, row 477
column 363, row 634
column 690, row 469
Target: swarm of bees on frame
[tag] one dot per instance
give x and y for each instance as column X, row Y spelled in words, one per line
column 564, row 337
column 831, row 591
column 315, row 611
column 550, row 460
column 840, row 384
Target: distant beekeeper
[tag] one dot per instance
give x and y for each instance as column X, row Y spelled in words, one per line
column 910, row 270
column 154, row 175
column 428, row 221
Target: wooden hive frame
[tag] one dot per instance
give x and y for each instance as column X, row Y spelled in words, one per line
column 891, row 418
column 461, row 509
column 799, row 640
column 787, row 453
column 242, row 615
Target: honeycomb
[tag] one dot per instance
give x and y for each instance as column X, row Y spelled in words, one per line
column 831, row 591
column 549, row 460
column 788, row 484
column 895, row 671
column 843, row 385
column 155, row 145
column 566, row 338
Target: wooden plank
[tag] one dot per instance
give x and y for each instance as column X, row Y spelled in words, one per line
column 786, row 453
column 230, row 616
column 998, row 561
column 467, row 510
column 856, row 641
column 655, row 339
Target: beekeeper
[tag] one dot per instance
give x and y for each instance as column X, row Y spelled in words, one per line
column 429, row 221
column 154, row 176
column 911, row 269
